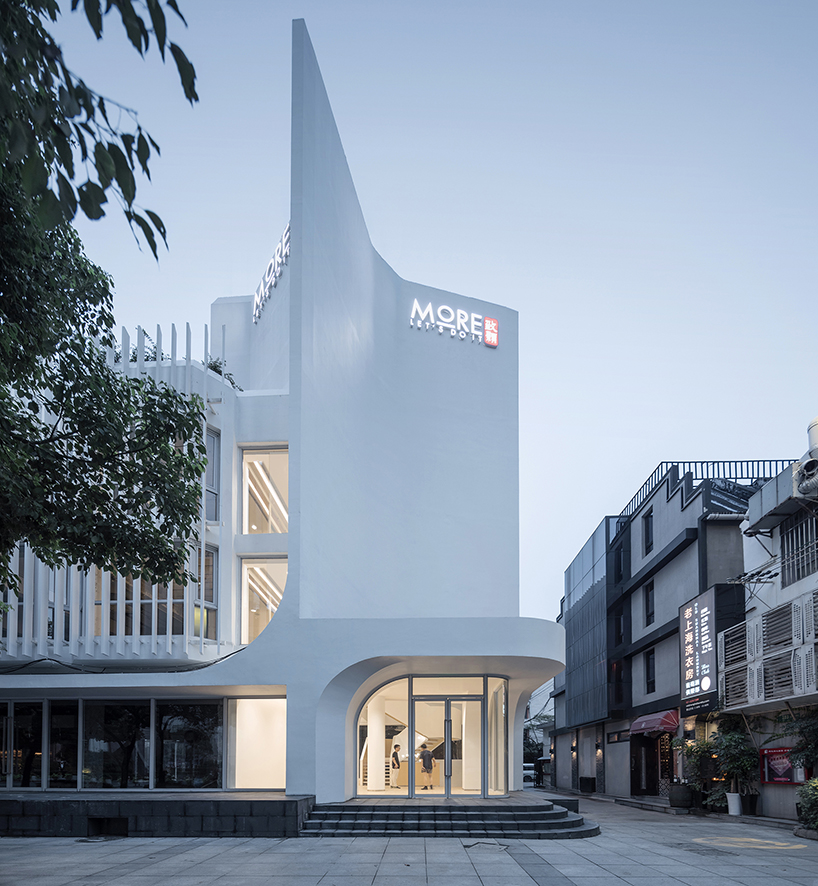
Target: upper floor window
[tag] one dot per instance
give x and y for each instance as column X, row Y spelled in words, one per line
column 619, row 626
column 263, row 584
column 650, row 613
column 205, row 608
column 647, row 531
column 265, row 490
column 213, row 444
column 799, row 547
column 619, row 564
column 650, row 671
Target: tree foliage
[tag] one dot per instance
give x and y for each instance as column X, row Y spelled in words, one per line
column 96, row 467
column 801, row 724
column 65, row 140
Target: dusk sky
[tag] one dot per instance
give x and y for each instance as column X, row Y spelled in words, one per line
column 637, row 178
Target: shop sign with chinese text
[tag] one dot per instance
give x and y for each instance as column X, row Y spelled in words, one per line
column 697, row 635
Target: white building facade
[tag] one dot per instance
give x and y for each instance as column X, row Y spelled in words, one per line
column 358, row 551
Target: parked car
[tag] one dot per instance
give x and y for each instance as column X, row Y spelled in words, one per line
column 528, row 773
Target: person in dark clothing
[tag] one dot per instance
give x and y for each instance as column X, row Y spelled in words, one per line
column 427, row 765
column 538, row 773
column 394, row 772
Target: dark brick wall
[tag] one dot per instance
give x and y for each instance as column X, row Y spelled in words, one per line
column 60, row 816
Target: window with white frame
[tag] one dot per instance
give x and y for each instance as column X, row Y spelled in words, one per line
column 213, row 446
column 205, row 606
column 262, row 583
column 265, row 490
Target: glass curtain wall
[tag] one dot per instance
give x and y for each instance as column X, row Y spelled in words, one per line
column 116, row 749
column 27, row 744
column 117, row 743
column 385, row 757
column 449, row 734
column 496, row 734
column 188, row 744
column 63, row 744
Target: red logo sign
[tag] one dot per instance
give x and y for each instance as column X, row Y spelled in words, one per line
column 491, row 332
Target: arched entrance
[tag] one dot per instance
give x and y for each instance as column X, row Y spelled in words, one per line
column 434, row 737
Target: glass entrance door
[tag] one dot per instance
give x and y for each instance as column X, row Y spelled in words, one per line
column 448, row 759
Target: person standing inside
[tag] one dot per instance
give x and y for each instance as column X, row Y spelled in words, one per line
column 427, row 765
column 394, row 772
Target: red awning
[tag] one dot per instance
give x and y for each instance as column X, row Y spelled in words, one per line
column 664, row 721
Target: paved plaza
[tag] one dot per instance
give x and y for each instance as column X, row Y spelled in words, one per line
column 635, row 847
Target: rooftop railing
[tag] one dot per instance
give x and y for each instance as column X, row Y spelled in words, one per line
column 738, row 471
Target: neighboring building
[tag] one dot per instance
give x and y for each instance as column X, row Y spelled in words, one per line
column 647, row 587
column 768, row 663
column 359, row 545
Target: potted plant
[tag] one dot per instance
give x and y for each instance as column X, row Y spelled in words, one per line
column 808, row 807
column 737, row 764
column 697, row 754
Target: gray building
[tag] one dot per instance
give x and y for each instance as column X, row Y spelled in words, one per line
column 648, row 586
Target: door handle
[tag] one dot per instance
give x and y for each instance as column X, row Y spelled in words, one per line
column 447, row 762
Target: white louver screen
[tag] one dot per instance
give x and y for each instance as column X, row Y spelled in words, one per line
column 797, row 674
column 759, row 639
column 778, row 676
column 735, row 687
column 804, row 670
column 811, row 616
column 797, row 625
column 734, row 647
column 777, row 627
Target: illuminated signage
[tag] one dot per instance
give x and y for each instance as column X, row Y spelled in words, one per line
column 697, row 634
column 271, row 275
column 776, row 767
column 459, row 324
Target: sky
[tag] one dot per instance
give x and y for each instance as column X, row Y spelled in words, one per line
column 636, row 178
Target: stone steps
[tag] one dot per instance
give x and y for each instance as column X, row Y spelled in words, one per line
column 541, row 822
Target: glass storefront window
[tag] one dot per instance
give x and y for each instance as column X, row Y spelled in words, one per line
column 63, row 734
column 451, row 732
column 116, row 751
column 27, row 745
column 257, row 743
column 497, row 747
column 262, row 583
column 188, row 744
column 383, row 730
column 265, row 490
column 447, row 686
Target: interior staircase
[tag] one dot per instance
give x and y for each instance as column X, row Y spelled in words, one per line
column 544, row 821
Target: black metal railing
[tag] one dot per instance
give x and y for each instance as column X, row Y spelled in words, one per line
column 738, row 471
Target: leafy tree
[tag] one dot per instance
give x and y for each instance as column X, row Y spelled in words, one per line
column 96, row 467
column 56, row 132
column 802, row 724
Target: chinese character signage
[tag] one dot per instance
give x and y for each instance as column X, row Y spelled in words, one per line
column 491, row 334
column 697, row 635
